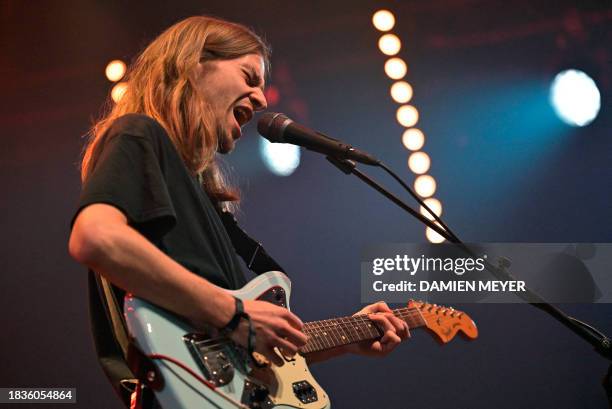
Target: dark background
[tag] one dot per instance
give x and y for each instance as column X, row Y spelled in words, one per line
column 507, row 170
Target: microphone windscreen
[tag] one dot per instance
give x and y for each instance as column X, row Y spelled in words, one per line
column 271, row 126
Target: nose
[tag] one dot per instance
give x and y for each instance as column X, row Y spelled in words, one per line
column 258, row 99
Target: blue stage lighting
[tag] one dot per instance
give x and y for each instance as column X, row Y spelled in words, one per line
column 282, row 159
column 575, row 97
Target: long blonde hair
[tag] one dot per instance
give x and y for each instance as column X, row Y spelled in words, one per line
column 161, row 85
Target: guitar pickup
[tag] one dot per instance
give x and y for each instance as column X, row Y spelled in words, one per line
column 305, row 392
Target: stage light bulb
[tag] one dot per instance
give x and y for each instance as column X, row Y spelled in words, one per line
column 419, row 162
column 413, row 139
column 389, row 44
column 115, row 70
column 425, row 185
column 407, row 115
column 282, row 159
column 434, row 205
column 401, row 92
column 433, row 236
column 395, row 68
column 118, row 91
column 575, row 97
column 383, row 20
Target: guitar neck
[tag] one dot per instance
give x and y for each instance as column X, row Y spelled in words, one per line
column 335, row 332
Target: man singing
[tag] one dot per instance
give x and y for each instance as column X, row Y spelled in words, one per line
column 148, row 214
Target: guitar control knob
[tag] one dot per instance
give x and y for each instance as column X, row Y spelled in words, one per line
column 259, row 394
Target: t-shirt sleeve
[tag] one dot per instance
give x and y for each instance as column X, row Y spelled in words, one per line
column 129, row 177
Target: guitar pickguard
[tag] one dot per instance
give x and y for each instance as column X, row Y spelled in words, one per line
column 275, row 295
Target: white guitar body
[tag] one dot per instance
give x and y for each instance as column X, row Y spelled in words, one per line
column 219, row 361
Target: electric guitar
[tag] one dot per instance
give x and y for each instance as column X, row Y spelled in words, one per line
column 206, row 370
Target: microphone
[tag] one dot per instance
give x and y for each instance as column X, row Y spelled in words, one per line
column 278, row 128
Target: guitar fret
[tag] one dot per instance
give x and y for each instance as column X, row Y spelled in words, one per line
column 314, row 342
column 343, row 339
column 369, row 326
column 326, row 334
column 346, row 322
column 330, row 333
column 333, row 333
column 321, row 335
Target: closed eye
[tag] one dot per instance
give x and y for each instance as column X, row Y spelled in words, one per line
column 253, row 79
column 250, row 79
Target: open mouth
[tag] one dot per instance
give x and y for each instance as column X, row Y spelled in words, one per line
column 242, row 115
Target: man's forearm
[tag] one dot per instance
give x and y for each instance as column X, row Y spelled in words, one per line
column 131, row 262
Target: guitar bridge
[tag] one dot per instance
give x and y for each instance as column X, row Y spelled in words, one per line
column 213, row 356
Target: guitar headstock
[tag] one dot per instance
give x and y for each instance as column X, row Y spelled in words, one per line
column 445, row 322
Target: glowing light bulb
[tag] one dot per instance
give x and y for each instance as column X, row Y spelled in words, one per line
column 282, row 159
column 115, row 70
column 407, row 115
column 434, row 205
column 383, row 20
column 413, row 139
column 395, row 68
column 433, row 236
column 118, row 91
column 425, row 185
column 575, row 97
column 401, row 92
column 389, row 44
column 419, row 162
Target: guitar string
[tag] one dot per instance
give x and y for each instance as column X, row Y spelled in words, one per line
column 415, row 314
column 336, row 331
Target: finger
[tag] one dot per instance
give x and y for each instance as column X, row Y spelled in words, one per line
column 390, row 337
column 293, row 319
column 382, row 322
column 383, row 307
column 287, row 347
column 380, row 306
column 293, row 335
column 407, row 331
column 389, row 342
column 376, row 347
column 401, row 328
column 388, row 348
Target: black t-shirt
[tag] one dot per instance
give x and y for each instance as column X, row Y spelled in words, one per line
column 140, row 172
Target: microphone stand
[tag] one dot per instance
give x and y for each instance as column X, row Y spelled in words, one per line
column 601, row 343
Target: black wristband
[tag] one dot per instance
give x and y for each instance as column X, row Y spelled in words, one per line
column 238, row 315
column 235, row 321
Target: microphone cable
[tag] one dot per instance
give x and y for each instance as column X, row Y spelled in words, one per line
column 416, row 197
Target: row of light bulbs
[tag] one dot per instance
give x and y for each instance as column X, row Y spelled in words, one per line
column 115, row 71
column 408, row 116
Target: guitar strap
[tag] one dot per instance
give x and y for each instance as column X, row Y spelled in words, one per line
column 108, row 325
column 110, row 337
column 250, row 250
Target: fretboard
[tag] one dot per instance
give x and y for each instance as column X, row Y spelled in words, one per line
column 335, row 332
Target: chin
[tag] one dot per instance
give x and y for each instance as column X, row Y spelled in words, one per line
column 226, row 142
column 226, row 145
column 225, row 149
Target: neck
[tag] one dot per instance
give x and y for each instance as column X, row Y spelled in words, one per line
column 335, row 332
